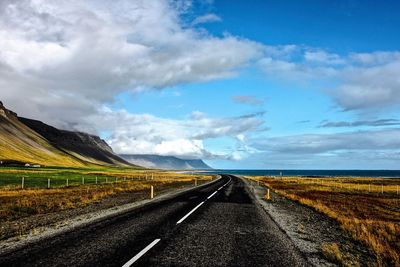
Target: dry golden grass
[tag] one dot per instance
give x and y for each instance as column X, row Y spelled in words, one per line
column 16, row 203
column 357, row 204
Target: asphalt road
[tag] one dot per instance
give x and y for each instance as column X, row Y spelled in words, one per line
column 217, row 225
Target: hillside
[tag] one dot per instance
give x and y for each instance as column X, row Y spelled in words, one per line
column 29, row 141
column 166, row 162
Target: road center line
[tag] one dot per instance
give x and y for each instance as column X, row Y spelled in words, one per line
column 210, row 196
column 141, row 253
column 190, row 212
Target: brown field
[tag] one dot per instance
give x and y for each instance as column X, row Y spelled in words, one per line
column 358, row 204
column 17, row 203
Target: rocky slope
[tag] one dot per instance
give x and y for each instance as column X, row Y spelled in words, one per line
column 166, row 162
column 28, row 141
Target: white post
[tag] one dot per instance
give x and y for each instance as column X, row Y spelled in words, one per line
column 151, row 192
column 83, row 180
column 116, row 179
column 96, row 179
column 67, row 182
column 48, row 183
column 268, row 196
column 23, row 182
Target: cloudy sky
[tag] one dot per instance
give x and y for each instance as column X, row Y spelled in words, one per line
column 242, row 84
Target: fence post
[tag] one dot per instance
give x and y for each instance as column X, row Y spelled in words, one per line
column 151, row 192
column 48, row 183
column 96, row 179
column 83, row 180
column 23, row 183
column 67, row 182
column 268, row 196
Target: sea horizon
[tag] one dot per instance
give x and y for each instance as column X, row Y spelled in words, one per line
column 309, row 172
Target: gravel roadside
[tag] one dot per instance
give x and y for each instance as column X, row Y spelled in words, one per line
column 311, row 230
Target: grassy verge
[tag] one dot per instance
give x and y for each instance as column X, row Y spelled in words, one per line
column 368, row 208
column 17, row 203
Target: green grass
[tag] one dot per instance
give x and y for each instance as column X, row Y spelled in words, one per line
column 38, row 178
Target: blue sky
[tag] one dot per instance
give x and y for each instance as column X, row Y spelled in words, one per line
column 242, row 84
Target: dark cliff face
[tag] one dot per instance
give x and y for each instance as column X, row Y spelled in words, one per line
column 166, row 162
column 86, row 145
column 6, row 112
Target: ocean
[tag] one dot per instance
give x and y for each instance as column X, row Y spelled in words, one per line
column 311, row 173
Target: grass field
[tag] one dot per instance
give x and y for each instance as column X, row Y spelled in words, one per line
column 36, row 198
column 368, row 208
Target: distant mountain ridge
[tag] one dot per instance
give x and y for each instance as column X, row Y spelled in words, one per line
column 32, row 141
column 165, row 162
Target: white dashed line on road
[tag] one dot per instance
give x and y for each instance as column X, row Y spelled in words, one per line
column 190, row 212
column 141, row 253
column 210, row 196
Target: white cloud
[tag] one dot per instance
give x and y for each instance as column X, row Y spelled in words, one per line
column 87, row 52
column 148, row 134
column 206, row 19
column 362, row 81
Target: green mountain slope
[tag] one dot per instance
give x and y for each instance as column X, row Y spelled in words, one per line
column 30, row 141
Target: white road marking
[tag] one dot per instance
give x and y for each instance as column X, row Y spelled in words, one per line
column 190, row 212
column 195, row 208
column 210, row 196
column 141, row 253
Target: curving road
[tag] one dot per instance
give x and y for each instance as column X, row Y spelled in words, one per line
column 215, row 225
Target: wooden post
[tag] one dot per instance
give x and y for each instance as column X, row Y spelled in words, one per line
column 22, row 182
column 369, row 188
column 151, row 192
column 268, row 195
column 48, row 183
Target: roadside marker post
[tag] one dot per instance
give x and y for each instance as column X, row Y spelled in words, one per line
column 151, row 192
column 83, row 180
column 382, row 189
column 96, row 179
column 106, row 179
column 268, row 195
column 22, row 182
column 48, row 183
column 67, row 182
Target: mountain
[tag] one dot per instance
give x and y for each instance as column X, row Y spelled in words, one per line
column 24, row 140
column 166, row 162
